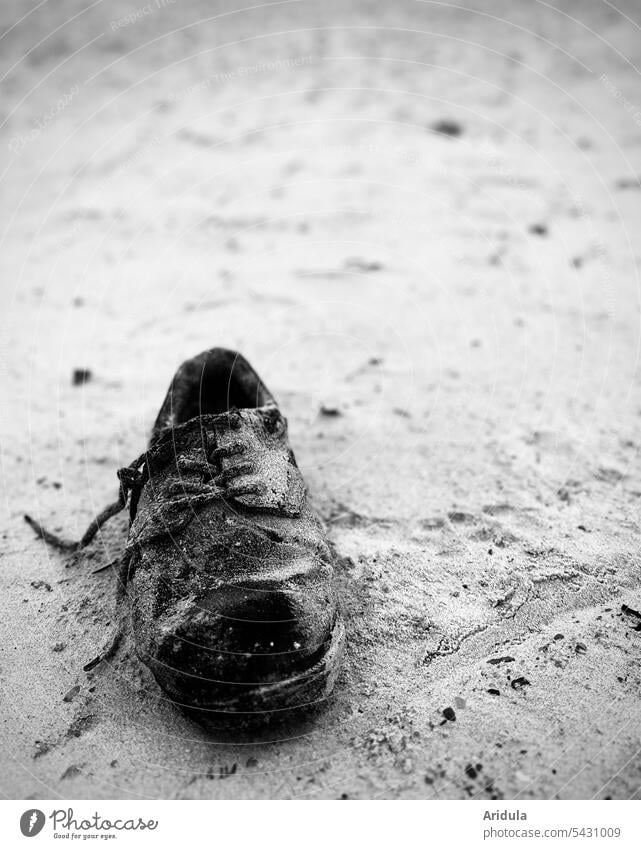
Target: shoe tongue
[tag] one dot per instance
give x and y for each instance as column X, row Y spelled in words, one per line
column 256, row 418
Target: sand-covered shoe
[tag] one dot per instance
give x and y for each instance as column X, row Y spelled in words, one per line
column 228, row 576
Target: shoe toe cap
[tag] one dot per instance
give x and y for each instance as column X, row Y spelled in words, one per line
column 246, row 647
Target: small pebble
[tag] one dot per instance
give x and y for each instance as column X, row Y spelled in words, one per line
column 70, row 695
column 81, row 376
column 447, row 128
column 329, row 411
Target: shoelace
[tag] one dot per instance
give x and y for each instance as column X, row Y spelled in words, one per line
column 132, row 479
column 189, row 491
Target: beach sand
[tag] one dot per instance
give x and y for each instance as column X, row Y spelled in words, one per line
column 420, row 224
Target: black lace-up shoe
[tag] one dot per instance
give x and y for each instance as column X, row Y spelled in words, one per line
column 227, row 572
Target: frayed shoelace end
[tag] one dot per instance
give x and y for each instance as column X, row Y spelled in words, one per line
column 51, row 539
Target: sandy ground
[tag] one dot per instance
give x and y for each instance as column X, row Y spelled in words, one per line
column 467, row 300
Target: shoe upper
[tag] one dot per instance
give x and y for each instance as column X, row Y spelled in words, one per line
column 230, row 580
